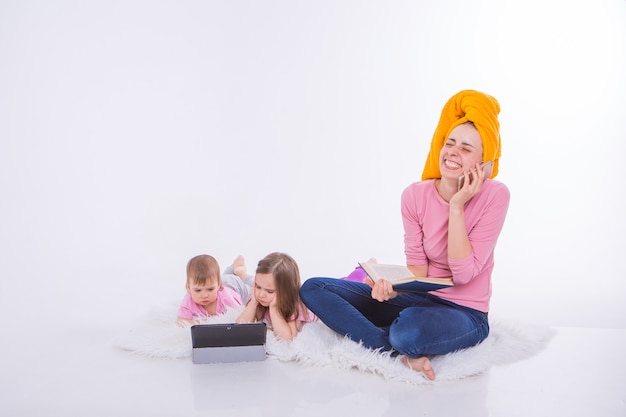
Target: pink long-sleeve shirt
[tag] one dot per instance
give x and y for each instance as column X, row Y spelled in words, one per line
column 425, row 216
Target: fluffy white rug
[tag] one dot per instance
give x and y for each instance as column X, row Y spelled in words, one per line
column 159, row 336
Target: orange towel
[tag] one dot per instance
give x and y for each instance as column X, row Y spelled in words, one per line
column 467, row 105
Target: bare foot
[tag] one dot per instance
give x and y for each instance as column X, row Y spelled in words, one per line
column 241, row 271
column 421, row 364
column 239, row 267
column 239, row 261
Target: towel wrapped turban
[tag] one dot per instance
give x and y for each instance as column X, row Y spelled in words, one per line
column 473, row 106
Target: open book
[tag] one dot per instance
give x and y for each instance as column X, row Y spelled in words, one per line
column 403, row 279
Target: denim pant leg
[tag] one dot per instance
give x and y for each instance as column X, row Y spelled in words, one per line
column 435, row 327
column 347, row 307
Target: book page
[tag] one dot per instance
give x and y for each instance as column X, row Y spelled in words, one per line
column 392, row 272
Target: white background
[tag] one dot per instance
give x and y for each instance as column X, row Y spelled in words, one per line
column 137, row 134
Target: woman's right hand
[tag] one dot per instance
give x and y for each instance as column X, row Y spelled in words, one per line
column 382, row 289
column 475, row 178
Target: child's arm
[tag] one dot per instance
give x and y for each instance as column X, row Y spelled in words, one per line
column 185, row 313
column 249, row 313
column 181, row 321
column 283, row 329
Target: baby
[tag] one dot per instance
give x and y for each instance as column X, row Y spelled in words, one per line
column 210, row 293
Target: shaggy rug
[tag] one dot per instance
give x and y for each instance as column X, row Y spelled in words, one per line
column 158, row 335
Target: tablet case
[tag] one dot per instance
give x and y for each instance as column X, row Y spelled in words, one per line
column 228, row 342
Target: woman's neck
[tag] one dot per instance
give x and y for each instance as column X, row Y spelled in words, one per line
column 446, row 188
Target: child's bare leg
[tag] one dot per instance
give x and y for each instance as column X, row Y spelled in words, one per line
column 421, row 364
column 239, row 267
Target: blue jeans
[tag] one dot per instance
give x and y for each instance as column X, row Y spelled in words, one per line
column 413, row 324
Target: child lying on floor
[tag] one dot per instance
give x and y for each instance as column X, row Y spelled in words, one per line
column 276, row 299
column 210, row 293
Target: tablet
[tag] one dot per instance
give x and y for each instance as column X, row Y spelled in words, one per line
column 228, row 342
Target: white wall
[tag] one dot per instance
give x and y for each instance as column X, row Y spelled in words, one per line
column 136, row 134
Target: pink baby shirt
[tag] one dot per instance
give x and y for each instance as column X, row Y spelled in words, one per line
column 226, row 298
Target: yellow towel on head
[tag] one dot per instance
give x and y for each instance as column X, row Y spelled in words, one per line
column 467, row 105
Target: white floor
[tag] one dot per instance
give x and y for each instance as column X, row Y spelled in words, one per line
column 76, row 372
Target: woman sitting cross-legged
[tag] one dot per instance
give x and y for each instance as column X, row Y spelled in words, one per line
column 451, row 231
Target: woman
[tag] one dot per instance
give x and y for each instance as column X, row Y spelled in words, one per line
column 449, row 232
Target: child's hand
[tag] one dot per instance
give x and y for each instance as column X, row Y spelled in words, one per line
column 253, row 302
column 247, row 316
column 187, row 322
column 274, row 302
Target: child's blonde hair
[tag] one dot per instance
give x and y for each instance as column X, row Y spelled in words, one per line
column 203, row 267
column 287, row 280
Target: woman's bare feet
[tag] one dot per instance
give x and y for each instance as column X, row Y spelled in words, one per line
column 239, row 267
column 421, row 364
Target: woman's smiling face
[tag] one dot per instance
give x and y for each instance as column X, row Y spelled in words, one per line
column 462, row 150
